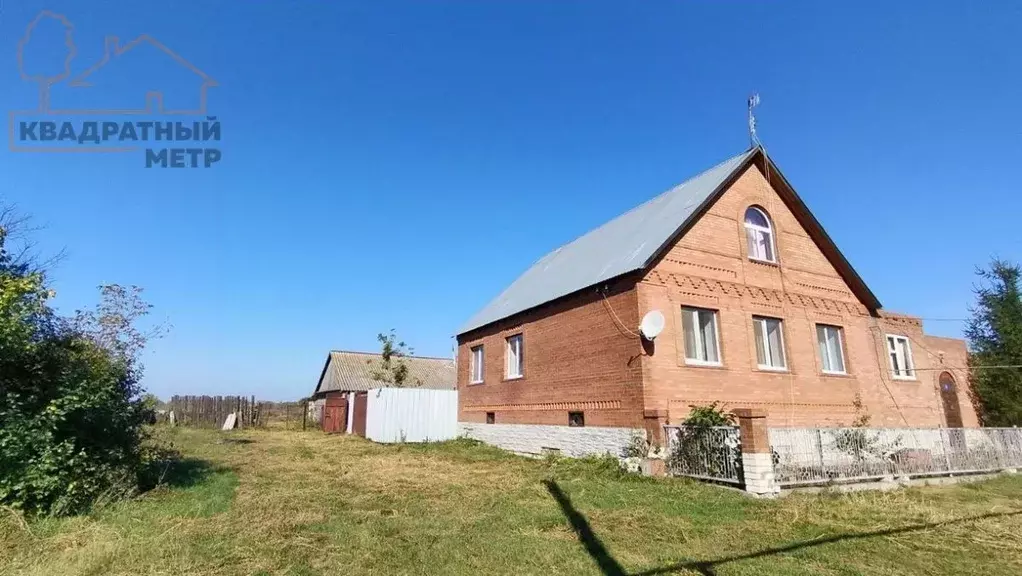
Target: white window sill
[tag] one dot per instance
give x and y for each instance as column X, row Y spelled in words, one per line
column 772, row 368
column 703, row 363
column 904, row 378
column 762, row 261
column 518, row 377
column 474, row 382
column 834, row 373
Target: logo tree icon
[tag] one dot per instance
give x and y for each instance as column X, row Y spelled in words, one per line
column 57, row 70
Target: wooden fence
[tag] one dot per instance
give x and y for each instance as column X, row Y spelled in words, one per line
column 212, row 411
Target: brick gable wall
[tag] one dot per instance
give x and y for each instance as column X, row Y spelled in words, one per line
column 709, row 268
column 578, row 357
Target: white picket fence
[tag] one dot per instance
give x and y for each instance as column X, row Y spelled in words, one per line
column 411, row 415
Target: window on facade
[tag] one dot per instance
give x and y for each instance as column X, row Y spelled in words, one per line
column 491, row 417
column 759, row 235
column 769, row 343
column 576, row 419
column 515, row 356
column 831, row 345
column 477, row 364
column 701, row 339
column 900, row 353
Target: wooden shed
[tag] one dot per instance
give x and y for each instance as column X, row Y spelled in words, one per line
column 340, row 394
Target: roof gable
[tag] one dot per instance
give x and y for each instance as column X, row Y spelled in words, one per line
column 625, row 244
column 354, row 371
column 639, row 237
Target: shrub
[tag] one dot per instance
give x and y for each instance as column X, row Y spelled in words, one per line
column 70, row 403
column 699, row 450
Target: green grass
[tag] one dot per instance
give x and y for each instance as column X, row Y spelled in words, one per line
column 280, row 502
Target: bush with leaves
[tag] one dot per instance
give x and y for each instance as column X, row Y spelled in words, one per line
column 859, row 441
column 698, row 450
column 71, row 407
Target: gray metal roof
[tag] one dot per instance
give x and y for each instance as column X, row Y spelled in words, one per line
column 354, row 371
column 625, row 244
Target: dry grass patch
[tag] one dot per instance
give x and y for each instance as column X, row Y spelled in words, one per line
column 288, row 502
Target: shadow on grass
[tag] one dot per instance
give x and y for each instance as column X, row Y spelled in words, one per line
column 610, row 567
column 229, row 440
column 178, row 473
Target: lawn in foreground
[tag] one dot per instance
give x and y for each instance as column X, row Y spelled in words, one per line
column 285, row 502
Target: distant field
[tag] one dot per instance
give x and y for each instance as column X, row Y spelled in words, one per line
column 303, row 503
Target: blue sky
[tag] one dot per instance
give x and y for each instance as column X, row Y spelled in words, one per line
column 396, row 164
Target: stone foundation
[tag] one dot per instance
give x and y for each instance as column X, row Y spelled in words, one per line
column 536, row 439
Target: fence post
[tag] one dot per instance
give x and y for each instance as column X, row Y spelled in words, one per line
column 654, row 421
column 757, row 463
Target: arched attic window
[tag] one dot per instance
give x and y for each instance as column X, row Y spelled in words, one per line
column 759, row 235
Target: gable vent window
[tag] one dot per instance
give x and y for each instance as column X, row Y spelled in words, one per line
column 759, row 235
column 900, row 353
column 576, row 419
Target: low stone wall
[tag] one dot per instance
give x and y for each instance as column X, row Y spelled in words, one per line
column 535, row 439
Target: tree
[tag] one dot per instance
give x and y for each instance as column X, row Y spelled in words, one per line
column 995, row 342
column 391, row 367
column 47, row 25
column 70, row 401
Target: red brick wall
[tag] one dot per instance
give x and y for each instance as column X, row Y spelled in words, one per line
column 950, row 355
column 577, row 358
column 709, row 268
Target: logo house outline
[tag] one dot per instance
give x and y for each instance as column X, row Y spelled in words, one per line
column 112, row 49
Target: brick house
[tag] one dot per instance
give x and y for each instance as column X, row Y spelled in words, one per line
column 761, row 308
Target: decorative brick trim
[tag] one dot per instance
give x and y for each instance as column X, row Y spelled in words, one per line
column 903, row 320
column 730, row 273
column 702, row 401
column 594, row 405
column 824, row 289
column 708, row 287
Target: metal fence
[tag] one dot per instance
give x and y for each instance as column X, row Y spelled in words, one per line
column 411, row 415
column 709, row 453
column 819, row 455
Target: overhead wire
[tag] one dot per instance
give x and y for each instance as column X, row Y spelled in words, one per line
column 614, row 314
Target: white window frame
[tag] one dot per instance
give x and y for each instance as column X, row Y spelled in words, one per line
column 768, row 230
column 759, row 324
column 697, row 337
column 516, row 371
column 825, row 350
column 909, row 370
column 474, row 363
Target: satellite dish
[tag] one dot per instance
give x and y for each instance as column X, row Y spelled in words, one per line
column 652, row 324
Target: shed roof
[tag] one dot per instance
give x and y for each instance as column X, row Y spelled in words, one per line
column 346, row 371
column 635, row 239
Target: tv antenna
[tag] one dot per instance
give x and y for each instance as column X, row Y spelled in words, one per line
column 753, row 102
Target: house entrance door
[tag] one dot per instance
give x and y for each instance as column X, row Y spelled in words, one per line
column 949, row 397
